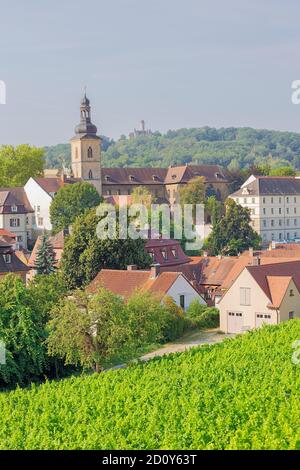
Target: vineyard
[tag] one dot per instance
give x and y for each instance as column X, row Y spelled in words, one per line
column 241, row 394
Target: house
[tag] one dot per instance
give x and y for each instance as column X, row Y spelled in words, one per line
column 166, row 253
column 274, row 203
column 267, row 294
column 16, row 214
column 162, row 284
column 40, row 193
column 10, row 262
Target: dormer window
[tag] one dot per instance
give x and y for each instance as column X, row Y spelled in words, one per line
column 131, row 177
column 174, row 177
column 90, row 152
column 155, row 178
column 106, row 177
column 14, row 208
column 164, row 254
column 174, row 253
column 7, row 258
column 291, row 293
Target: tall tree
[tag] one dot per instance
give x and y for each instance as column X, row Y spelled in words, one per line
column 70, row 201
column 18, row 164
column 193, row 192
column 85, row 254
column 45, row 258
column 233, row 233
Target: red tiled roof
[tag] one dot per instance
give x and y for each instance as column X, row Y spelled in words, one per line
column 124, row 283
column 183, row 174
column 53, row 184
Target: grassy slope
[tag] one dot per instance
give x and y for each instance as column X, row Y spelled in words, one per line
column 243, row 393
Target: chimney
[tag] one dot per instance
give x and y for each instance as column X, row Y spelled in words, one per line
column 251, row 252
column 154, row 271
column 132, row 267
column 256, row 261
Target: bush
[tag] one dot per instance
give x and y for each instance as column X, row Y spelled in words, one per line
column 176, row 324
column 201, row 316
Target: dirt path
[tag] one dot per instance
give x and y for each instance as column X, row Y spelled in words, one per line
column 188, row 341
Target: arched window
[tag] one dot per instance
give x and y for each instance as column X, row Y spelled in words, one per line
column 90, row 175
column 90, row 152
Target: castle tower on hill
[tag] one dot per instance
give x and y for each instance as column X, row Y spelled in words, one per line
column 86, row 148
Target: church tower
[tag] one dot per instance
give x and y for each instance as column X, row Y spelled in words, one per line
column 86, row 148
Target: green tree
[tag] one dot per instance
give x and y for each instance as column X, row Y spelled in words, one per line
column 213, row 209
column 18, row 164
column 22, row 332
column 283, row 171
column 45, row 257
column 233, row 233
column 88, row 330
column 193, row 192
column 85, row 254
column 70, row 201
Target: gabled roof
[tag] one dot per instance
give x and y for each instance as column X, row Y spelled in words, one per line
column 14, row 197
column 52, row 185
column 133, row 176
column 183, row 174
column 274, row 279
column 278, row 286
column 270, row 185
column 124, row 282
column 174, row 254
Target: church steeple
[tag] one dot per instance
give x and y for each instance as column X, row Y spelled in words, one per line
column 85, row 127
column 85, row 148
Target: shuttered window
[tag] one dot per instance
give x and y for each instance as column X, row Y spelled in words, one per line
column 245, row 296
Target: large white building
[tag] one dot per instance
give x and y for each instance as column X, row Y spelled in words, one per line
column 274, row 203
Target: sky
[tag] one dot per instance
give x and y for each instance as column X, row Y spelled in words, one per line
column 173, row 63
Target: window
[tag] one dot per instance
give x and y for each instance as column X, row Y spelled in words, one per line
column 40, row 221
column 245, row 200
column 264, row 200
column 264, row 223
column 119, row 192
column 295, row 210
column 7, row 258
column 295, row 235
column 108, row 192
column 280, row 236
column 287, row 210
column 279, row 210
column 164, row 254
column 291, row 315
column 272, row 211
column 292, row 293
column 19, row 238
column 90, row 175
column 237, row 200
column 38, row 208
column 280, row 222
column 27, row 220
column 280, row 200
column 245, row 293
column 90, row 152
column 14, row 209
column 264, row 211
column 288, row 222
column 128, row 191
column 14, row 222
column 272, row 223
column 174, row 253
column 295, row 200
column 272, row 200
column 295, row 222
column 287, row 199
column 272, row 236
column 288, row 236
column 182, row 301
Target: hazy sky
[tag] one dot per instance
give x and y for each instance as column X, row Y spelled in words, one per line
column 174, row 63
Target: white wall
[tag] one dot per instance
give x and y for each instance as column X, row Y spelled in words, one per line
column 182, row 287
column 38, row 197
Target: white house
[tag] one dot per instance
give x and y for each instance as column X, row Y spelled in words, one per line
column 261, row 294
column 162, row 284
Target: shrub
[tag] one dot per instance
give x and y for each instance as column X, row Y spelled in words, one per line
column 201, row 316
column 176, row 324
